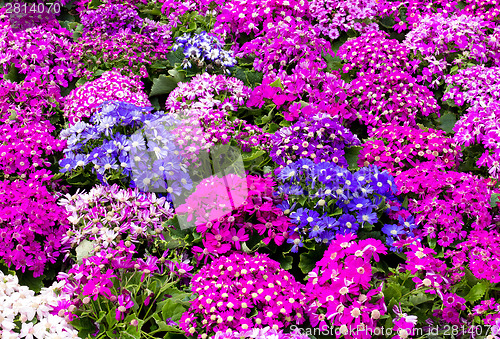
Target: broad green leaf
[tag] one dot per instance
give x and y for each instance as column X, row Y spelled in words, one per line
column 352, row 156
column 163, row 85
column 276, row 83
column 447, row 122
column 477, row 291
column 172, row 310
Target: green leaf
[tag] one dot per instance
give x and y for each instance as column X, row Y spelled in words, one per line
column 173, row 310
column 179, row 76
column 111, row 318
column 308, row 260
column 276, row 83
column 163, row 85
column 352, row 156
column 494, row 199
column 13, row 74
column 175, row 57
column 477, row 291
column 392, row 291
column 250, row 156
column 447, row 122
column 419, row 298
column 285, row 261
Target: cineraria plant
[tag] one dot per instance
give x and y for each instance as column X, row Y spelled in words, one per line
column 109, row 19
column 334, row 16
column 441, row 40
column 114, row 291
column 446, row 203
column 324, row 199
column 480, row 253
column 26, row 315
column 102, row 217
column 207, row 104
column 391, row 97
column 205, row 51
column 342, row 291
column 436, row 296
column 230, row 220
column 266, row 295
column 374, row 52
column 126, row 50
column 398, row 148
column 32, row 225
column 318, row 137
column 38, row 52
column 125, row 144
column 83, row 101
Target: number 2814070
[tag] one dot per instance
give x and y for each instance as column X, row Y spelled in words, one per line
column 24, row 8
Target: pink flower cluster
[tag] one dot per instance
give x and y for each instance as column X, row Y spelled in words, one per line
column 375, row 52
column 31, row 224
column 227, row 219
column 83, row 101
column 107, row 214
column 39, row 53
column 341, row 290
column 434, row 277
column 446, row 203
column 232, row 288
column 398, row 148
column 390, row 97
column 480, row 253
column 335, row 16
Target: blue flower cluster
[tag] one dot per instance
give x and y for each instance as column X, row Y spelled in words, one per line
column 206, row 48
column 124, row 141
column 324, row 199
column 394, row 232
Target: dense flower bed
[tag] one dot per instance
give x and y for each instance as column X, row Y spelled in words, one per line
column 229, row 169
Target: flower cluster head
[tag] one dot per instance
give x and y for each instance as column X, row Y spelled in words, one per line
column 319, row 138
column 336, row 16
column 325, row 199
column 40, row 55
column 489, row 310
column 32, row 225
column 204, row 49
column 124, row 141
column 84, row 101
column 414, row 10
column 242, row 292
column 480, row 252
column 390, row 97
column 27, row 148
column 107, row 214
column 479, row 88
column 118, row 281
column 287, row 44
column 446, row 203
column 374, row 52
column 432, row 276
column 398, row 148
column 341, row 290
column 109, row 19
column 206, row 104
column 437, row 37
column 228, row 211
column 259, row 333
column 26, row 315
column 244, row 17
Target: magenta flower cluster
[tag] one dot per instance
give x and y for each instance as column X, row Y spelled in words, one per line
column 32, row 225
column 341, row 290
column 83, row 101
column 264, row 290
column 399, row 148
column 106, row 215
